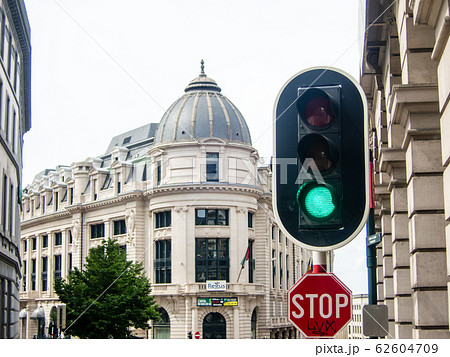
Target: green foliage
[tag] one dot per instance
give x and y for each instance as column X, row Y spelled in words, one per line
column 108, row 297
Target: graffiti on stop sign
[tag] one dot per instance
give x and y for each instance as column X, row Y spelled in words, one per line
column 319, row 305
column 327, row 307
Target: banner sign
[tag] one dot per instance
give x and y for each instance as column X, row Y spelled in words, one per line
column 217, row 301
column 216, row 285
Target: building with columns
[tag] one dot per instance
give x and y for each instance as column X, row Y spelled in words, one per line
column 406, row 77
column 188, row 199
column 15, row 121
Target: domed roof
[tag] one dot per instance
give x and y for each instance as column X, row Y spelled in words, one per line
column 202, row 112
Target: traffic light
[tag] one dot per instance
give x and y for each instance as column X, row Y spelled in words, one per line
column 321, row 181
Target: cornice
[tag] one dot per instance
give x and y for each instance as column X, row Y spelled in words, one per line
column 171, row 189
column 68, row 211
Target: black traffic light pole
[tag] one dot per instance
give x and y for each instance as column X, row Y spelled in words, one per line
column 371, row 248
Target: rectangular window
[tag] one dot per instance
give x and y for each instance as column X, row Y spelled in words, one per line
column 250, row 220
column 120, row 227
column 57, row 266
column 70, row 237
column 13, row 134
column 5, row 196
column 24, row 277
column 33, row 243
column 7, row 118
column 163, row 219
column 44, row 273
column 25, row 245
column 211, row 217
column 58, row 238
column 70, row 261
column 97, row 230
column 33, row 274
column 211, row 259
column 2, row 35
column 273, row 268
column 70, row 195
column 56, row 201
column 158, row 172
column 287, row 272
column 212, row 166
column 281, row 270
column 44, row 241
column 251, row 262
column 11, row 209
column 163, row 261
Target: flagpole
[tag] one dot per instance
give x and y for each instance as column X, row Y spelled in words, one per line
column 240, row 271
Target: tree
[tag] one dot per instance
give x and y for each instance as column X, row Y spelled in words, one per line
column 108, row 297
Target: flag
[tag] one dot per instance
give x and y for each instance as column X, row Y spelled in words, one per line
column 310, row 266
column 245, row 257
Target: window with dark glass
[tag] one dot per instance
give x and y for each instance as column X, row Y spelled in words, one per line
column 163, row 261
column 70, row 261
column 120, row 227
column 211, row 259
column 211, row 217
column 57, row 266
column 70, row 237
column 163, row 219
column 251, row 262
column 45, row 241
column 25, row 246
column 33, row 274
column 70, row 195
column 44, row 273
column 58, row 238
column 281, row 270
column 212, row 166
column 273, row 268
column 24, row 278
column 287, row 271
column 97, row 230
column 158, row 173
column 250, row 220
column 33, row 243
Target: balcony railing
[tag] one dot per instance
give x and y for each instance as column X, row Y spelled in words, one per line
column 170, row 289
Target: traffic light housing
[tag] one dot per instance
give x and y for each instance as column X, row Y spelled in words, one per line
column 321, row 181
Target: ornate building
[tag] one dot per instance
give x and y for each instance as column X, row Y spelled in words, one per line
column 15, row 120
column 406, row 78
column 187, row 198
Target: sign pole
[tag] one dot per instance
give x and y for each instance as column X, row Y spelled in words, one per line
column 319, row 262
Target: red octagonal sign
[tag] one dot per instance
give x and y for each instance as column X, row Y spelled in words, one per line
column 319, row 305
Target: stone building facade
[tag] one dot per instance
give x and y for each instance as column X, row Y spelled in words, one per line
column 185, row 197
column 15, row 120
column 406, row 77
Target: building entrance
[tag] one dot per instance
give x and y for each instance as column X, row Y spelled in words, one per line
column 214, row 326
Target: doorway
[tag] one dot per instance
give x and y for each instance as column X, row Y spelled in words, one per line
column 214, row 326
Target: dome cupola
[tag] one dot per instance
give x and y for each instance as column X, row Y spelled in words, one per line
column 202, row 112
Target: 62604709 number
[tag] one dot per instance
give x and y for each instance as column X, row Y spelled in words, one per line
column 411, row 348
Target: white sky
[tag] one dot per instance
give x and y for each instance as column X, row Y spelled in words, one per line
column 103, row 67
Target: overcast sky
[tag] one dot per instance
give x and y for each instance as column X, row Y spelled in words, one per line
column 103, row 67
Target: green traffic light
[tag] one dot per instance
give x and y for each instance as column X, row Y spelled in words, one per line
column 318, row 201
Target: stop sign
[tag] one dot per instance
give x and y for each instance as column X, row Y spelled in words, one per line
column 319, row 305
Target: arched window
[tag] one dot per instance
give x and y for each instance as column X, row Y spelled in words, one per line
column 214, row 326
column 161, row 328
column 253, row 323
